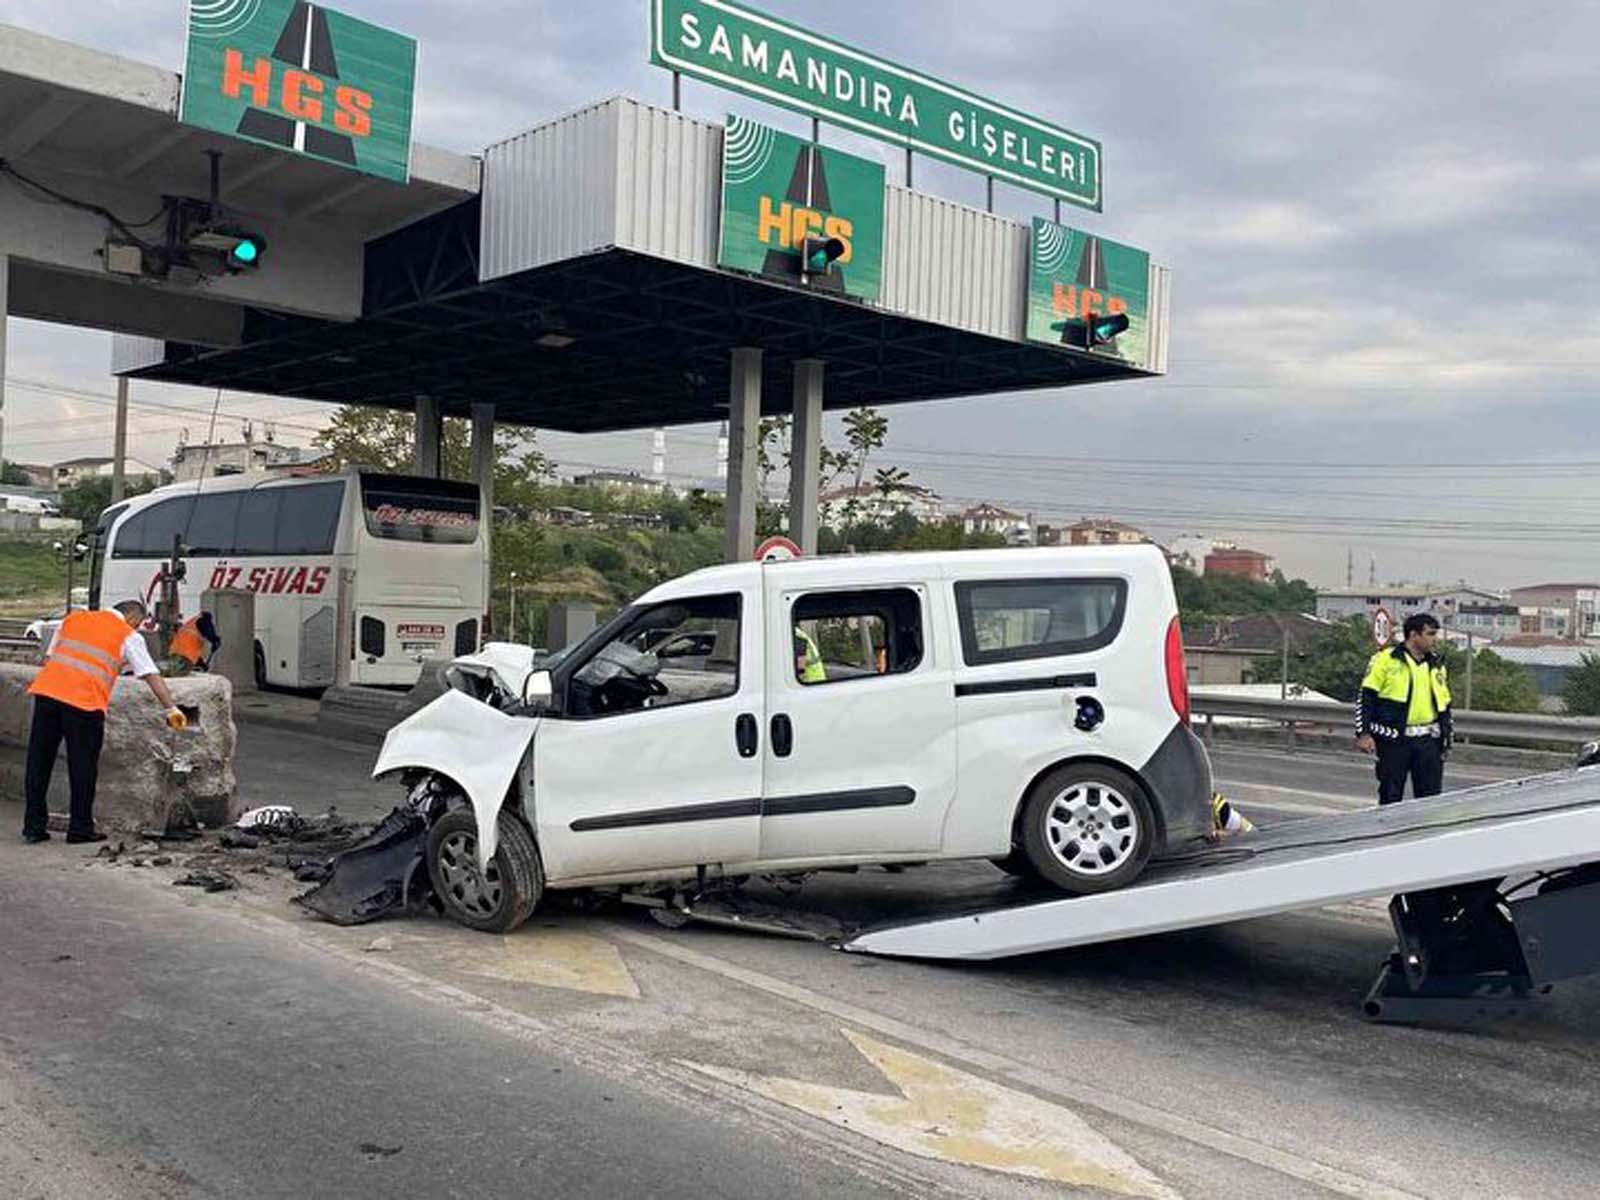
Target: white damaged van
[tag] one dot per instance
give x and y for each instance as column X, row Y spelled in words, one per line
column 1024, row 706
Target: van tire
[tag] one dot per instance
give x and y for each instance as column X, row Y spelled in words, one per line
column 1084, row 813
column 501, row 899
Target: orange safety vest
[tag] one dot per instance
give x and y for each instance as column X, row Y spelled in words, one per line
column 83, row 665
column 187, row 642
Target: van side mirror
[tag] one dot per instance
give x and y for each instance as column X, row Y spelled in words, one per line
column 537, row 690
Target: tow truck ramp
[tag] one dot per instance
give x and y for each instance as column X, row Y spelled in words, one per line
column 1496, row 894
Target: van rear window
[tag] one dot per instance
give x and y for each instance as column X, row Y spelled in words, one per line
column 1009, row 620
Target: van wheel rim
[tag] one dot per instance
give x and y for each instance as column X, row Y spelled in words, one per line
column 471, row 890
column 1092, row 829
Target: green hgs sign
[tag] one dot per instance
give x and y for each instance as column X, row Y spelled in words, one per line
column 303, row 78
column 778, row 190
column 1073, row 277
column 750, row 52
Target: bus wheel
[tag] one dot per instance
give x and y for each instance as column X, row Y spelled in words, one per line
column 261, row 666
column 495, row 900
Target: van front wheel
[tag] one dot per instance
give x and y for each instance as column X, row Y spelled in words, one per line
column 1088, row 828
column 492, row 900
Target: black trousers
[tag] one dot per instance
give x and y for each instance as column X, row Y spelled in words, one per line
column 1422, row 758
column 84, row 732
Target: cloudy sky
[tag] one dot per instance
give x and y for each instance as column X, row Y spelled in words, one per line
column 1380, row 218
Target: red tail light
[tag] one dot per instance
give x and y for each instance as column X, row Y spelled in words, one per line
column 1177, row 672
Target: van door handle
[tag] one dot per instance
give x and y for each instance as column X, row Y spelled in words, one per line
column 782, row 735
column 745, row 735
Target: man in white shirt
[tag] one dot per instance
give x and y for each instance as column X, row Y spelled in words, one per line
column 71, row 694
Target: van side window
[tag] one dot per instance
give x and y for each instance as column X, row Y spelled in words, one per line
column 839, row 636
column 1009, row 620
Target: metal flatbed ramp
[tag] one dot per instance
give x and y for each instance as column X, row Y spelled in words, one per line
column 1516, row 828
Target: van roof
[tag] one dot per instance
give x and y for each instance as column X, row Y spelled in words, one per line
column 842, row 568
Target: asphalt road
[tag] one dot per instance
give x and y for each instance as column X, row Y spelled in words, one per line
column 200, row 1046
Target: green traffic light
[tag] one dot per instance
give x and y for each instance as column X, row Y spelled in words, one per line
column 246, row 251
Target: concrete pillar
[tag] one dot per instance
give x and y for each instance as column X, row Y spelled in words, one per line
column 744, row 429
column 429, row 438
column 805, row 454
column 119, row 444
column 5, row 288
column 483, row 476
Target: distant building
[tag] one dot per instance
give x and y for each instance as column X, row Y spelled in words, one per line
column 1400, row 602
column 1245, row 564
column 1189, row 552
column 990, row 518
column 620, row 481
column 1100, row 533
column 191, row 461
column 1570, row 609
column 75, row 470
column 1490, row 622
column 840, row 506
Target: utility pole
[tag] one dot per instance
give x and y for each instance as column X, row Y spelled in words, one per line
column 1467, row 700
column 511, row 621
column 119, row 444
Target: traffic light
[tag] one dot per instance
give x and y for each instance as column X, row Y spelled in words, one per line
column 818, row 254
column 1085, row 333
column 239, row 249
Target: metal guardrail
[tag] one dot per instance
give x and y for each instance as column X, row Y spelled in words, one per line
column 1470, row 722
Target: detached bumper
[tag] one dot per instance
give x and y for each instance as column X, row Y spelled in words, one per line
column 1179, row 776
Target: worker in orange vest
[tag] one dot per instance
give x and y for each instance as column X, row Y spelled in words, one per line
column 71, row 694
column 189, row 643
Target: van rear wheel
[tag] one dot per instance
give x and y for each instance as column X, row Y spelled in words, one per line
column 1088, row 827
column 492, row 900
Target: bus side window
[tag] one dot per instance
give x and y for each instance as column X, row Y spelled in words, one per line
column 258, row 523
column 212, row 529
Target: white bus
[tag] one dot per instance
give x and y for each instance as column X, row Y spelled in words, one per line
column 417, row 548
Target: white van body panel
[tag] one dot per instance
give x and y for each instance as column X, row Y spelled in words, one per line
column 468, row 742
column 929, row 758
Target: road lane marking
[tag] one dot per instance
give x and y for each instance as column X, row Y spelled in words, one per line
column 551, row 958
column 941, row 1113
column 1285, row 1162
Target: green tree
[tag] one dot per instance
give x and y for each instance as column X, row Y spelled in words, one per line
column 383, row 439
column 1230, row 595
column 90, row 497
column 13, row 474
column 1497, row 684
column 1334, row 662
column 1580, row 691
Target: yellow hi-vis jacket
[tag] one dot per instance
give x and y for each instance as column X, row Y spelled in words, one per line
column 813, row 671
column 1389, row 700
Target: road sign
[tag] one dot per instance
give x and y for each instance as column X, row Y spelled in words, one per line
column 1382, row 627
column 777, row 549
column 303, row 78
column 747, row 51
column 779, row 192
column 1074, row 276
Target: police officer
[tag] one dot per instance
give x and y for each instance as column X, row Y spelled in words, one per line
column 71, row 694
column 1404, row 713
column 808, row 665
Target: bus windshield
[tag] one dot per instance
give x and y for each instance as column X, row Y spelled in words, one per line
column 406, row 508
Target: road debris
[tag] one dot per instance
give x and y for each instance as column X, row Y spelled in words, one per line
column 279, row 817
column 380, row 874
column 210, row 881
column 380, row 945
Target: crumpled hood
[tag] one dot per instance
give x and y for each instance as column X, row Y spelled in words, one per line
column 478, row 747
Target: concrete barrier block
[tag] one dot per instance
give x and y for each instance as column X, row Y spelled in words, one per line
column 151, row 777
